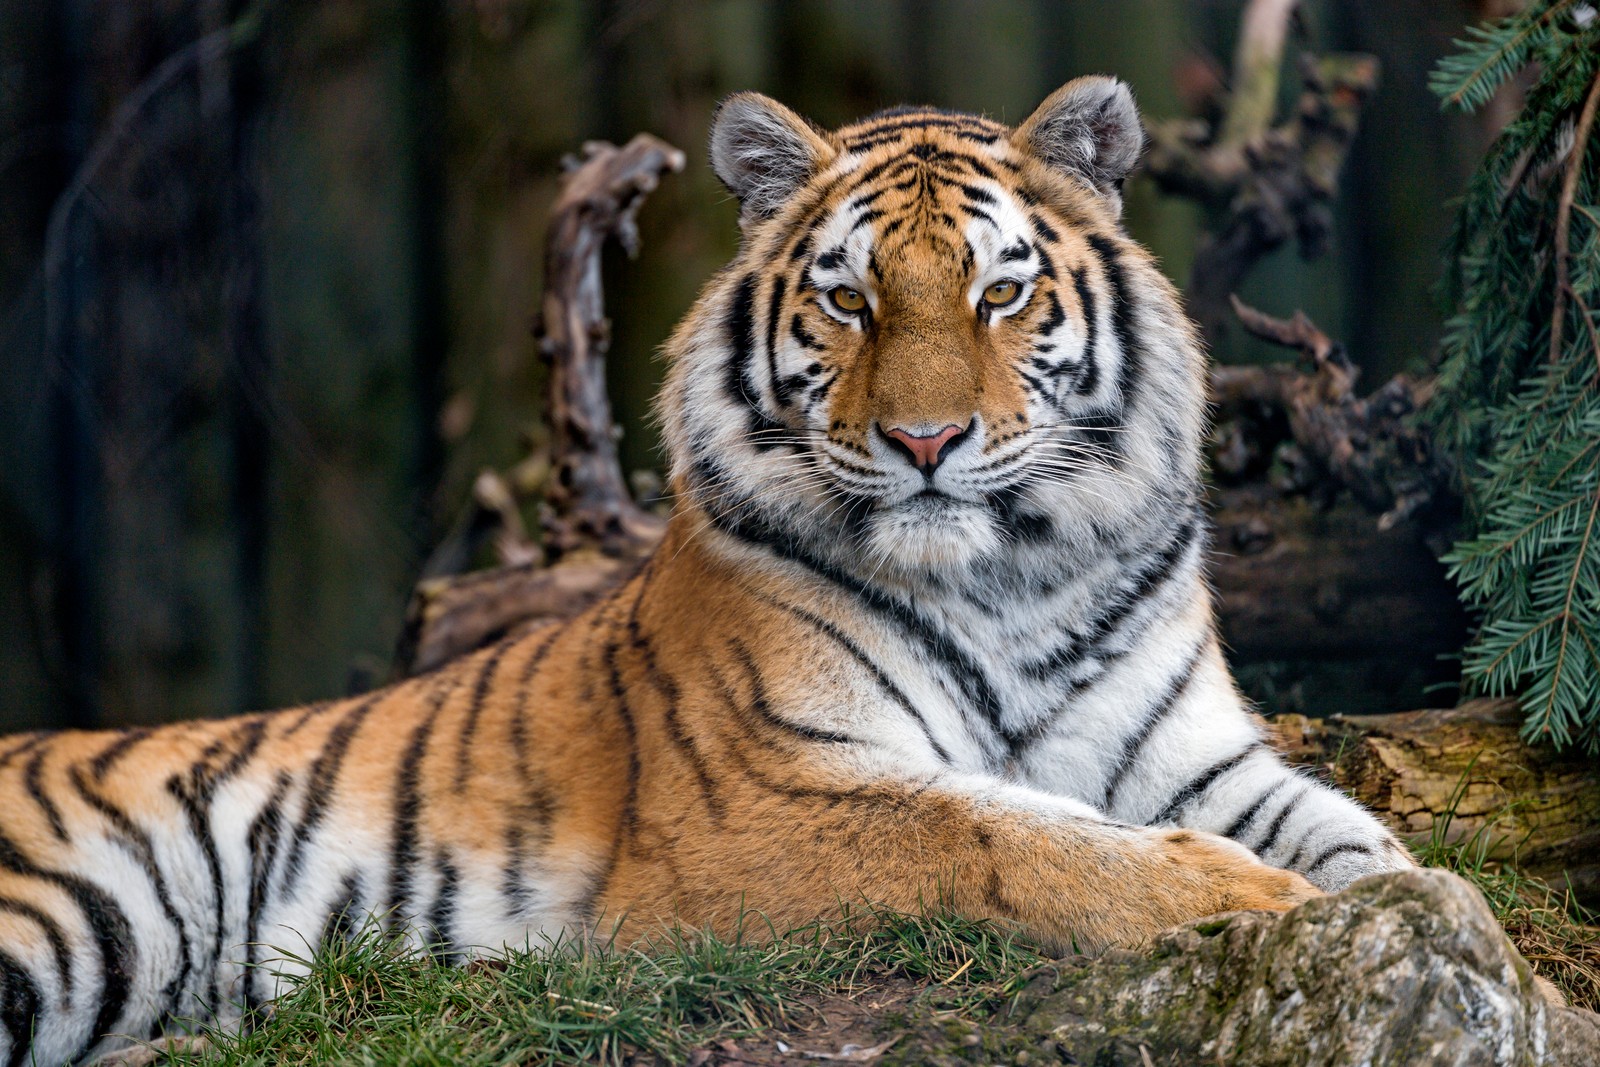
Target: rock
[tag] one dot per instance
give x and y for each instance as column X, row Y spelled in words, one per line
column 1405, row 968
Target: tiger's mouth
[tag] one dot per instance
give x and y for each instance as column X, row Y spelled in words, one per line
column 932, row 528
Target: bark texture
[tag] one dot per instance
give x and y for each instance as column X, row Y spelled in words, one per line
column 1465, row 773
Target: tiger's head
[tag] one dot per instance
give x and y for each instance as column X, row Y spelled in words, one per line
column 937, row 345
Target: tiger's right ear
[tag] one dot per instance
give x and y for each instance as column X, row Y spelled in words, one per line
column 764, row 153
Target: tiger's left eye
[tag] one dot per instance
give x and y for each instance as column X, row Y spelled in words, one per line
column 850, row 301
column 1000, row 294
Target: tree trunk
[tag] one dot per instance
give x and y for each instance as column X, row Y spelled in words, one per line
column 1298, row 581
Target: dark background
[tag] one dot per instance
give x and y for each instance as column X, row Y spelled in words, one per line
column 266, row 271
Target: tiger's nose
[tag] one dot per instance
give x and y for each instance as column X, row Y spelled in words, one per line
column 926, row 451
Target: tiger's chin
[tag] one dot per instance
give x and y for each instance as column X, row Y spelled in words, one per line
column 928, row 532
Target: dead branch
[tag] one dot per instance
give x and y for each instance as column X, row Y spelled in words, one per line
column 1463, row 772
column 600, row 198
column 594, row 534
column 1276, row 183
column 1368, row 445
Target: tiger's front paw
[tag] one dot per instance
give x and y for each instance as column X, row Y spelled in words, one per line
column 1238, row 881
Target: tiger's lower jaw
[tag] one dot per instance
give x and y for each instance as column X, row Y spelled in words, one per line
column 920, row 533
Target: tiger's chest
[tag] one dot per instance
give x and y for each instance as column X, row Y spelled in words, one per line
column 978, row 671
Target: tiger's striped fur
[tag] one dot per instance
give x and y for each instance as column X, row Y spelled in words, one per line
column 930, row 620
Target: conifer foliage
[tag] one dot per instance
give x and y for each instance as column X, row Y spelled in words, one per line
column 1517, row 410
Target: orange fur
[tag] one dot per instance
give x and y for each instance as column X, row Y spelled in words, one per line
column 680, row 752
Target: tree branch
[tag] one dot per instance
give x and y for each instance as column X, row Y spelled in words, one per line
column 588, row 498
column 594, row 534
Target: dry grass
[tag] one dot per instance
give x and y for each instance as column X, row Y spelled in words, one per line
column 1559, row 937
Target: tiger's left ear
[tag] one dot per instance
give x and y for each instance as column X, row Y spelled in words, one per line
column 1089, row 128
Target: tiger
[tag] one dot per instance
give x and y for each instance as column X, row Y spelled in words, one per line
column 929, row 622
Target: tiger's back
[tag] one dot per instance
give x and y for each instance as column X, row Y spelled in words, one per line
column 929, row 622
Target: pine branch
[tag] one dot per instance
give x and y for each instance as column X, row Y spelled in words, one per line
column 1518, row 402
column 1492, row 55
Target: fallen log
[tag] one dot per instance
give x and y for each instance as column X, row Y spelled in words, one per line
column 1464, row 774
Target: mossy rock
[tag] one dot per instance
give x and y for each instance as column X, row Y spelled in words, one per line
column 1407, row 968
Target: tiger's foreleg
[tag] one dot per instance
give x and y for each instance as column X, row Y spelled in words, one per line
column 1205, row 765
column 977, row 847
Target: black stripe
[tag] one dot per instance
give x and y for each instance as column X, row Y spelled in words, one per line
column 1277, row 825
column 408, row 809
column 104, row 761
column 969, row 676
column 1015, row 253
column 980, row 195
column 19, row 1008
column 919, row 121
column 469, row 727
column 138, row 845
column 1027, row 527
column 883, row 681
column 929, row 152
column 1197, row 786
column 52, row 933
column 29, row 743
column 1161, row 567
column 1089, row 378
column 680, row 736
column 1045, row 393
column 1336, row 850
column 629, row 816
column 739, row 382
column 1247, row 817
column 1129, row 369
column 31, row 778
column 780, row 387
column 518, row 726
column 1300, row 850
column 442, row 915
column 536, row 803
column 763, row 707
column 320, row 783
column 977, row 213
column 758, row 776
column 194, row 793
column 113, row 938
column 344, row 912
column 1154, row 715
column 1054, row 317
column 802, row 337
column 306, row 715
column 262, row 839
column 864, row 219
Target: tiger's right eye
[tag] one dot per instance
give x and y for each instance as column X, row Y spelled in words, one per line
column 848, row 300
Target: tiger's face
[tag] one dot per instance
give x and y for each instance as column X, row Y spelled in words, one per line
column 929, row 351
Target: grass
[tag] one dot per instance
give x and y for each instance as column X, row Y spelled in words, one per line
column 1554, row 933
column 373, row 1000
